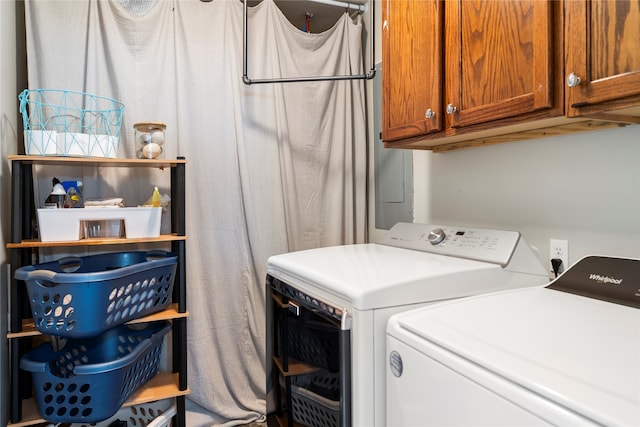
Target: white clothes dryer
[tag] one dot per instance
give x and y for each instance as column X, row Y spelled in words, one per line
column 337, row 300
column 563, row 354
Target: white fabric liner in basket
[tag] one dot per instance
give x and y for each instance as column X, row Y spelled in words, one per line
column 152, row 414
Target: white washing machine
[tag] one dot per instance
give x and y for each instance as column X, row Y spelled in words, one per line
column 360, row 286
column 563, row 354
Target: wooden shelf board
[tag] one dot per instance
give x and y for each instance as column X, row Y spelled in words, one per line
column 279, row 301
column 30, row 415
column 162, row 386
column 296, row 367
column 97, row 161
column 34, row 243
column 274, row 420
column 171, row 312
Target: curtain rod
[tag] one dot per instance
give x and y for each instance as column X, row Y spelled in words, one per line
column 245, row 61
column 361, row 8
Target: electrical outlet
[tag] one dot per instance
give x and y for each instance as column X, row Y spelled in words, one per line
column 559, row 249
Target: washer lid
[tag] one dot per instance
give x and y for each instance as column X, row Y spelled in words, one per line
column 409, row 266
column 581, row 353
column 366, row 276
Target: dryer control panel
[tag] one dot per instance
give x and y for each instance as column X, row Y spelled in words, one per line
column 605, row 278
column 495, row 246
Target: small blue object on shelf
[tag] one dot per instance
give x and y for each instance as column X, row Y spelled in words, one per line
column 87, row 380
column 84, row 296
column 68, row 123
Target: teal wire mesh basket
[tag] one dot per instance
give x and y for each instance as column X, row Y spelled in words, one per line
column 68, row 123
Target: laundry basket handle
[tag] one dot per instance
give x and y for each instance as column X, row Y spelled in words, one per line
column 39, row 275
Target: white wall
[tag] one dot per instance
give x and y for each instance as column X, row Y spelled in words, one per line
column 584, row 188
column 8, row 126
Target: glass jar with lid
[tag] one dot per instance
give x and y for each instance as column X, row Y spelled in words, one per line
column 149, row 139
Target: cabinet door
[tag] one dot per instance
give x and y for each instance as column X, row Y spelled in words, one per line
column 499, row 59
column 411, row 68
column 603, row 50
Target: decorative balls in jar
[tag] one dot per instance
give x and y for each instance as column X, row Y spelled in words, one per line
column 149, row 140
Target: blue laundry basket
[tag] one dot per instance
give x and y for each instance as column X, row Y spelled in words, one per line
column 87, row 380
column 84, row 296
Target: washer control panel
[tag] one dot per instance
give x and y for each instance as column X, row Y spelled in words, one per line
column 495, row 246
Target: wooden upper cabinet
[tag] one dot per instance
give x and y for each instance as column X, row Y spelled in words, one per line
column 448, row 65
column 411, row 68
column 465, row 73
column 603, row 52
column 499, row 59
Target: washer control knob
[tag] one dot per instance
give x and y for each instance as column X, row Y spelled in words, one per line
column 436, row 236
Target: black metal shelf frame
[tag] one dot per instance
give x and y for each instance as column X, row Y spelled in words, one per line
column 22, row 213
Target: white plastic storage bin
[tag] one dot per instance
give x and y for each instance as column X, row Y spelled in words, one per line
column 62, row 225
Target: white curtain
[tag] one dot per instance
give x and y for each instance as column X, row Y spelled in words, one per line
column 271, row 168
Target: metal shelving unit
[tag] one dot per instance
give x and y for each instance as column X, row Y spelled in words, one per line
column 22, row 408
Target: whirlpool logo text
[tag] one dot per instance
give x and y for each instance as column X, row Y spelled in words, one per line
column 605, row 280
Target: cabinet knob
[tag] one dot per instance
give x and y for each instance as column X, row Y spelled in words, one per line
column 451, row 109
column 573, row 80
column 429, row 114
